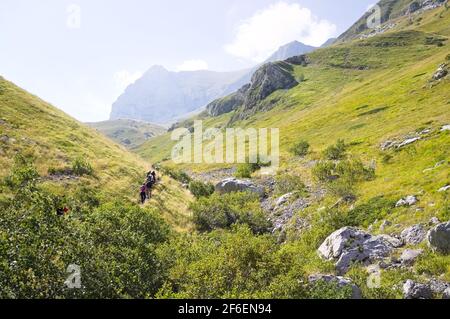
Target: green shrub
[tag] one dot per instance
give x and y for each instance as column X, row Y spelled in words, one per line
column 301, row 148
column 177, row 175
column 341, row 178
column 329, row 290
column 289, row 183
column 335, row 152
column 232, row 264
column 201, row 189
column 222, row 211
column 81, row 167
column 114, row 245
column 23, row 173
column 246, row 170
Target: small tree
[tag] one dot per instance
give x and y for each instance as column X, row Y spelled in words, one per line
column 301, row 148
column 335, row 152
column 81, row 167
column 200, row 189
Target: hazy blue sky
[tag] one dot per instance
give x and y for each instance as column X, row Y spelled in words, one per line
column 81, row 54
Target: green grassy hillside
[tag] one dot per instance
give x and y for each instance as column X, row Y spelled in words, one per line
column 129, row 133
column 54, row 142
column 365, row 92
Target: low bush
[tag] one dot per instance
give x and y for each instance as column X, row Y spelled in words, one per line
column 81, row 167
column 335, row 152
column 289, row 183
column 201, row 189
column 341, row 178
column 222, row 211
column 177, row 175
column 300, row 148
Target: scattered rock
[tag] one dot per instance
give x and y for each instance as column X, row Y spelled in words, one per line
column 340, row 281
column 434, row 221
column 4, row 139
column 441, row 72
column 413, row 235
column 283, row 199
column 444, row 189
column 282, row 214
column 446, row 294
column 414, row 290
column 409, row 256
column 438, row 286
column 231, row 185
column 445, row 128
column 348, row 245
column 408, row 201
column 394, row 242
column 439, row 238
column 408, row 142
column 387, row 145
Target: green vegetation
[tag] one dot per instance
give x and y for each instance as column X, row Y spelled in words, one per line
column 289, row 183
column 335, row 152
column 364, row 92
column 301, row 148
column 201, row 189
column 220, row 212
column 246, row 170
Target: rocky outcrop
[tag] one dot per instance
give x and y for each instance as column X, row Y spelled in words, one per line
column 349, row 245
column 408, row 201
column 409, row 256
column 228, row 103
column 341, row 282
column 413, row 235
column 439, row 238
column 231, row 185
column 441, row 72
column 268, row 79
column 414, row 290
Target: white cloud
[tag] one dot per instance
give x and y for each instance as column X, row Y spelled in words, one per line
column 259, row 36
column 192, row 65
column 124, row 78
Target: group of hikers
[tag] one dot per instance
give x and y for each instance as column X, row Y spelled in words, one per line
column 146, row 188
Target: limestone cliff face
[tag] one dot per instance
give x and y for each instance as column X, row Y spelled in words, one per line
column 267, row 79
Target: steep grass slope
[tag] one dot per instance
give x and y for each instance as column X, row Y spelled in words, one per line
column 55, row 142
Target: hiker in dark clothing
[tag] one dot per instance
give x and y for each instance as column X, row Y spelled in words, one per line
column 143, row 193
column 154, row 176
column 62, row 211
column 148, row 188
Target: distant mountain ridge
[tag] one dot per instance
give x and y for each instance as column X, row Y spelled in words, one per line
column 129, row 133
column 289, row 50
column 161, row 96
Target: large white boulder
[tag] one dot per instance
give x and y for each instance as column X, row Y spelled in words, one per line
column 414, row 290
column 414, row 235
column 439, row 238
column 349, row 245
column 231, row 185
